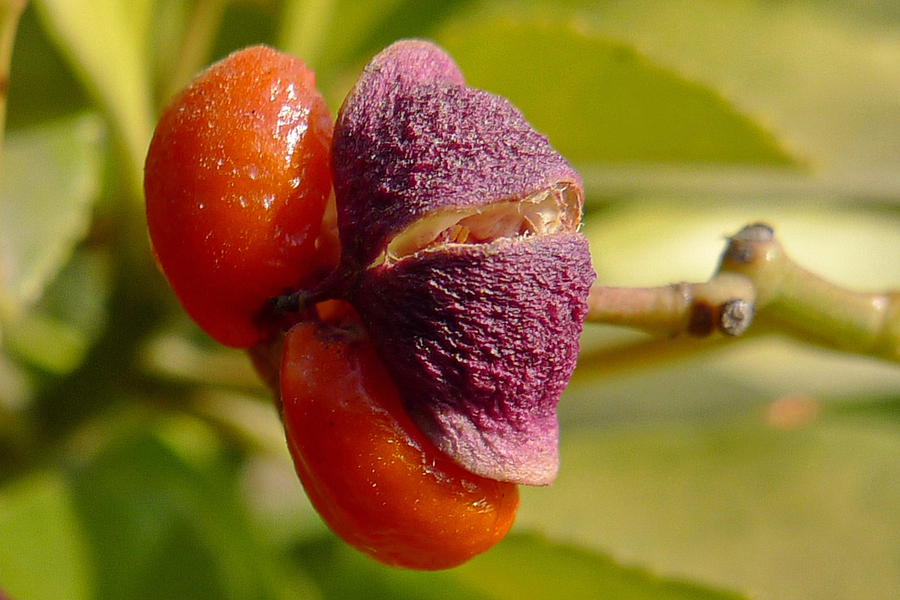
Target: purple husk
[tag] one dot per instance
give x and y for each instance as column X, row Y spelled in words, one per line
column 480, row 338
column 408, row 143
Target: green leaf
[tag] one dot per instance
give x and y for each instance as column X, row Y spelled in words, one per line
column 334, row 36
column 139, row 508
column 521, row 566
column 825, row 74
column 52, row 302
column 50, row 179
column 601, row 101
column 56, row 334
column 107, row 44
column 410, row 18
column 41, row 84
column 303, row 28
column 43, row 554
column 45, row 342
column 782, row 513
column 343, row 573
column 885, row 408
column 16, row 391
column 527, row 566
column 158, row 500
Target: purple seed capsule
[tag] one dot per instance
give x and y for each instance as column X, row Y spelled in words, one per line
column 459, row 228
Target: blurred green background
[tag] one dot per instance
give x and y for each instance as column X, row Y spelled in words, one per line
column 140, row 460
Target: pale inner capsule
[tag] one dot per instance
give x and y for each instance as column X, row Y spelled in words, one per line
column 552, row 210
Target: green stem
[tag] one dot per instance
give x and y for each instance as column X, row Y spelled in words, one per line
column 756, row 279
column 810, row 307
column 698, row 309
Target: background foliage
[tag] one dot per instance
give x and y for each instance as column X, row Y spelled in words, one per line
column 138, row 459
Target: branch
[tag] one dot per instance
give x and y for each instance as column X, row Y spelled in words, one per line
column 757, row 280
column 809, row 307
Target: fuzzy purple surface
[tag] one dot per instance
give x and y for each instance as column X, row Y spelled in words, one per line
column 482, row 340
column 411, row 139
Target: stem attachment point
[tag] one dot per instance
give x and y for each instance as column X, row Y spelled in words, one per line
column 735, row 317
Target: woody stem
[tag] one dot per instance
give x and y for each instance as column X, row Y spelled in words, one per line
column 756, row 280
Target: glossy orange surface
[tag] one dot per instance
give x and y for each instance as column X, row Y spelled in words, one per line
column 370, row 473
column 236, row 183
